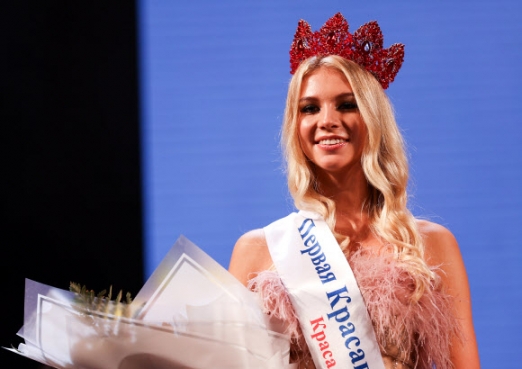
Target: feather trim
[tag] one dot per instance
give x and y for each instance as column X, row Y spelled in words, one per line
column 417, row 332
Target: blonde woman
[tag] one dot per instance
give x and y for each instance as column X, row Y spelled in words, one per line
column 347, row 168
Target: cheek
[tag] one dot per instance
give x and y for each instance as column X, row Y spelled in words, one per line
column 305, row 131
column 364, row 136
column 304, row 142
column 360, row 133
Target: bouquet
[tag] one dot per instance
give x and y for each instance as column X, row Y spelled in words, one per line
column 191, row 313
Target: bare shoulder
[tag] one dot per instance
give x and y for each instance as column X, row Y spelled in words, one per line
column 440, row 244
column 250, row 256
column 254, row 238
column 442, row 250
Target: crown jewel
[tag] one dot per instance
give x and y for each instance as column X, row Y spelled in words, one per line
column 364, row 47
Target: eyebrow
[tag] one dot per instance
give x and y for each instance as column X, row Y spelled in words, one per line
column 340, row 96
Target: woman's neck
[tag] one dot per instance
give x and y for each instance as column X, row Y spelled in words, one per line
column 349, row 191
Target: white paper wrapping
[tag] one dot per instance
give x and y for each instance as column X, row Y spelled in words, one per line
column 191, row 313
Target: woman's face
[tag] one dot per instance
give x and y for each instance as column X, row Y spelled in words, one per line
column 331, row 131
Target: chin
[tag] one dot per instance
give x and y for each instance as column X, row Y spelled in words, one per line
column 332, row 169
column 337, row 168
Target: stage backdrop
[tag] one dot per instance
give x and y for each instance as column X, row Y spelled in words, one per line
column 213, row 82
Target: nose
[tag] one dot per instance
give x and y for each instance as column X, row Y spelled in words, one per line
column 329, row 118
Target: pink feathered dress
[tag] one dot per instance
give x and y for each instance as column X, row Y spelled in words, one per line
column 410, row 335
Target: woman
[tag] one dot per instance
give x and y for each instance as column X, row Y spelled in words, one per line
column 346, row 164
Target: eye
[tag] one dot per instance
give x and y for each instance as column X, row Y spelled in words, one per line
column 348, row 105
column 309, row 109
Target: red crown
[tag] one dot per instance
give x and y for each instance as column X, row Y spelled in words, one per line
column 364, row 47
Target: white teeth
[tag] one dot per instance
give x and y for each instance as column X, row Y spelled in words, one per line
column 331, row 141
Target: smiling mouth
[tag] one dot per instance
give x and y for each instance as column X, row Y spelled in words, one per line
column 332, row 141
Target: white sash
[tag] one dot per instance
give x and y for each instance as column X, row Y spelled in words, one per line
column 324, row 293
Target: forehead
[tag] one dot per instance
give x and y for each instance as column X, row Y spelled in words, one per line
column 325, row 82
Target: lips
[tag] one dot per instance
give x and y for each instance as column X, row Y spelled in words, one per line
column 332, row 141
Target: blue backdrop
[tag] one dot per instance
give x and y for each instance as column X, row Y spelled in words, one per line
column 213, row 83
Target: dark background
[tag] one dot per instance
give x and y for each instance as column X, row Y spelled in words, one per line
column 71, row 196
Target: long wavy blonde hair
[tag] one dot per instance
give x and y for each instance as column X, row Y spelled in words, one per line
column 384, row 163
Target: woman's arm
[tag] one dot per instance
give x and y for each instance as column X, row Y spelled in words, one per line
column 250, row 256
column 442, row 249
